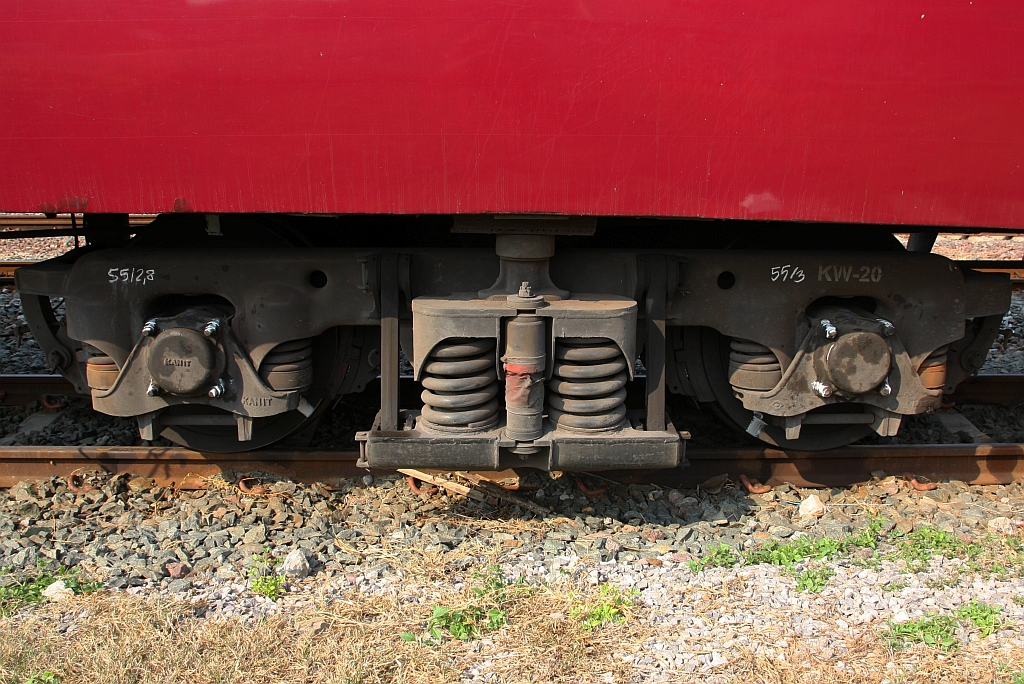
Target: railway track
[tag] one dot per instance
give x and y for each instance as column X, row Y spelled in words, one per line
column 972, row 463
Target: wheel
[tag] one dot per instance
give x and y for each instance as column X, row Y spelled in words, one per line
column 707, row 357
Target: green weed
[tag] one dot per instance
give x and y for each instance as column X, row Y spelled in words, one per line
column 1018, row 678
column 790, row 553
column 895, row 585
column 485, row 612
column 1019, row 599
column 981, row 615
column 43, row 678
column 939, row 631
column 267, row 586
column 30, row 591
column 263, row 580
column 723, row 556
column 611, row 606
column 918, row 547
column 813, row 580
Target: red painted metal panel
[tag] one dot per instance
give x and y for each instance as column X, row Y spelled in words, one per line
column 847, row 110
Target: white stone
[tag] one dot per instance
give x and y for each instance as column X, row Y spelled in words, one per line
column 58, row 591
column 1002, row 525
column 295, row 564
column 812, row 506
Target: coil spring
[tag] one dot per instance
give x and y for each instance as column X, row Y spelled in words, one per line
column 753, row 366
column 289, row 365
column 461, row 385
column 588, row 387
column 933, row 369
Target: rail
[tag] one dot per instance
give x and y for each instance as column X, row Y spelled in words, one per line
column 173, row 466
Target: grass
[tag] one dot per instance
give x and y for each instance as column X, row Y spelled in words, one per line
column 895, row 585
column 939, row 631
column 267, row 586
column 117, row 637
column 19, row 594
column 1018, row 599
column 43, row 678
column 484, row 612
column 611, row 606
column 917, row 548
column 813, row 580
column 263, row 579
column 936, row 631
column 980, row 615
column 722, row 556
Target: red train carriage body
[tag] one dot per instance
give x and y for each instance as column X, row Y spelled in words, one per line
column 509, row 194
column 868, row 112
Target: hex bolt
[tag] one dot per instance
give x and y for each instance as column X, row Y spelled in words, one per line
column 525, row 290
column 821, row 389
column 211, row 328
column 153, row 389
column 886, row 389
column 888, row 329
column 828, row 330
column 149, row 328
column 217, row 390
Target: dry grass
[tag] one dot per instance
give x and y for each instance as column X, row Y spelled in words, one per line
column 121, row 638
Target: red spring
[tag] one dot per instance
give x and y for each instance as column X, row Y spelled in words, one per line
column 587, row 491
column 76, row 483
column 416, row 489
column 754, row 487
column 258, row 490
column 919, row 486
column 51, row 404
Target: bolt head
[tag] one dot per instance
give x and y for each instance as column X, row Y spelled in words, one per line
column 215, row 391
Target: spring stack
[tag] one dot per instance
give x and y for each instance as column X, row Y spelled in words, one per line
column 461, row 387
column 933, row 369
column 588, row 390
column 753, row 366
column 289, row 365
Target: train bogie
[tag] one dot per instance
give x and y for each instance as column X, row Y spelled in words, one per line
column 523, row 352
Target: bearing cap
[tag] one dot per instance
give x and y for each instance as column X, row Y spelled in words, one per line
column 858, row 362
column 182, row 361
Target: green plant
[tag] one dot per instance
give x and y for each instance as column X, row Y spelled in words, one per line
column 895, row 585
column 29, row 591
column 263, row 580
column 611, row 606
column 723, row 556
column 1018, row 678
column 790, row 553
column 1019, row 599
column 485, row 612
column 813, row 580
column 267, row 586
column 917, row 548
column 937, row 631
column 43, row 678
column 981, row 615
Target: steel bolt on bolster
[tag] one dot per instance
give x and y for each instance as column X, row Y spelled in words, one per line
column 821, row 389
column 149, row 328
column 216, row 391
